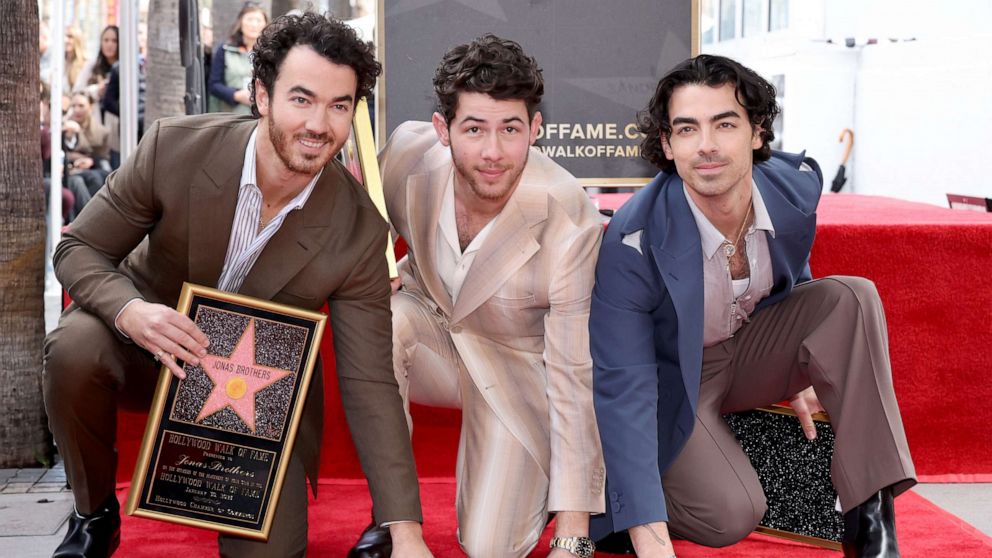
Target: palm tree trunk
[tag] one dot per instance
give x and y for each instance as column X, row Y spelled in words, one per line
column 166, row 76
column 24, row 437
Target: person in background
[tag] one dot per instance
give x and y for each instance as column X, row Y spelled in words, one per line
column 75, row 57
column 68, row 198
column 93, row 78
column 87, row 144
column 230, row 66
column 44, row 55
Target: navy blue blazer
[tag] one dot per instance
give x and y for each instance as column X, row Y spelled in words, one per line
column 646, row 326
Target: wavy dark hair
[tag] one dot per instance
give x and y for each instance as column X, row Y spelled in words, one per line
column 491, row 65
column 331, row 38
column 237, row 38
column 753, row 92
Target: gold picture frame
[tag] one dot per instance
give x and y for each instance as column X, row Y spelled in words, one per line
column 217, row 443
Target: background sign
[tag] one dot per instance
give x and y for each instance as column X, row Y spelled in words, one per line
column 601, row 62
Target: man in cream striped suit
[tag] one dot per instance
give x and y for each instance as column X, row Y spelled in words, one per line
column 492, row 316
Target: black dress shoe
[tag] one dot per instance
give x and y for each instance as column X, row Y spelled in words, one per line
column 375, row 542
column 870, row 529
column 96, row 535
column 615, row 543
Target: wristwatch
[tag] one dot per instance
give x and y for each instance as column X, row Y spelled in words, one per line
column 583, row 547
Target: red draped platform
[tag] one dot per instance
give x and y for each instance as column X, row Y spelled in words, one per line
column 933, row 269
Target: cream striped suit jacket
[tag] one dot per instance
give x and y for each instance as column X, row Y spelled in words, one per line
column 520, row 323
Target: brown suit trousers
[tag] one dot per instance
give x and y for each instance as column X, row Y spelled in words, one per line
column 829, row 333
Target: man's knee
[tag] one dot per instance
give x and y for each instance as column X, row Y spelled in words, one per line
column 728, row 522
column 76, row 354
column 852, row 290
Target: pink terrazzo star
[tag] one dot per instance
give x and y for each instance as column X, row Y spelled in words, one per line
column 237, row 379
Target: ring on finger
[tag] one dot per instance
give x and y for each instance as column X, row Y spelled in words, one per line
column 159, row 355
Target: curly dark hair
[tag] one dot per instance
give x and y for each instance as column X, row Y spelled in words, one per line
column 331, row 38
column 491, row 65
column 753, row 92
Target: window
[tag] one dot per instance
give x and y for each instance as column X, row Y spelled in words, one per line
column 754, row 24
column 778, row 15
column 707, row 20
column 728, row 19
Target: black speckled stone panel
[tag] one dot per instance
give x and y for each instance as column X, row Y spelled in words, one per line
column 794, row 471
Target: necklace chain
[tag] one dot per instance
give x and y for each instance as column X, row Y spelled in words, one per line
column 731, row 249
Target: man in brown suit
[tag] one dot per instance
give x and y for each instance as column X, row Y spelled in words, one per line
column 254, row 206
column 493, row 314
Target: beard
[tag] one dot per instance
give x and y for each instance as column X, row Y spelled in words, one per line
column 490, row 191
column 302, row 163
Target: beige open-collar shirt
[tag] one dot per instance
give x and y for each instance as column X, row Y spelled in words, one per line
column 728, row 304
column 452, row 263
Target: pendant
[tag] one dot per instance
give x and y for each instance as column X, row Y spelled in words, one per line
column 729, row 249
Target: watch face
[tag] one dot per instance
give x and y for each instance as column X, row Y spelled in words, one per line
column 584, row 548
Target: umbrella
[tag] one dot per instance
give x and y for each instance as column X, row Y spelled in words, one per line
column 840, row 179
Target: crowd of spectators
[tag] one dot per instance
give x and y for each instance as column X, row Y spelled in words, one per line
column 90, row 108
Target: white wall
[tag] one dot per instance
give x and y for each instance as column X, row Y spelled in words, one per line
column 920, row 104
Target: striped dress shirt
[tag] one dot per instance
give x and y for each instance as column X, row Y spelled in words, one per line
column 247, row 239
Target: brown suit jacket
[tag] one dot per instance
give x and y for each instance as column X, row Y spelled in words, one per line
column 165, row 217
column 520, row 323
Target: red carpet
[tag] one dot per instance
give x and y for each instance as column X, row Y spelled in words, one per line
column 933, row 270
column 342, row 511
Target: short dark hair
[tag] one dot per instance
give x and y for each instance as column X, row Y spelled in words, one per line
column 491, row 65
column 331, row 38
column 753, row 92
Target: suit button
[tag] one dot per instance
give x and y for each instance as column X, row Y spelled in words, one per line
column 456, row 329
column 617, row 506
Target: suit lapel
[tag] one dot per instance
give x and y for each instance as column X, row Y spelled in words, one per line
column 680, row 264
column 792, row 239
column 297, row 241
column 424, row 194
column 509, row 246
column 213, row 200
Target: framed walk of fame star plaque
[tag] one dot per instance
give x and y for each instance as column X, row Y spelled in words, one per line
column 218, row 442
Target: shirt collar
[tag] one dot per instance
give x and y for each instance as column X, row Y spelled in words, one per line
column 447, row 218
column 710, row 238
column 250, row 178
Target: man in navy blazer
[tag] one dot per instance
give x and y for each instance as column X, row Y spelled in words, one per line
column 704, row 305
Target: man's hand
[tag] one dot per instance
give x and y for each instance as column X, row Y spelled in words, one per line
column 241, row 96
column 408, row 540
column 652, row 540
column 83, row 163
column 805, row 404
column 165, row 333
column 395, row 283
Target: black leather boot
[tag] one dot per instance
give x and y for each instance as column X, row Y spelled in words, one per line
column 375, row 542
column 870, row 529
column 96, row 535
